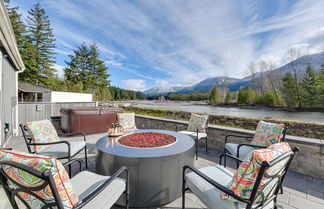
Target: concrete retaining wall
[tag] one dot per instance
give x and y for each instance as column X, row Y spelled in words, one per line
column 295, row 128
column 309, row 160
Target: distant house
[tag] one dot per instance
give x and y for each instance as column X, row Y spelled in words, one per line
column 10, row 65
column 35, row 93
column 60, row 96
column 30, row 92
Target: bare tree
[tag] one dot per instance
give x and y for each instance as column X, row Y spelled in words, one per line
column 273, row 78
column 224, row 84
column 262, row 70
column 292, row 55
column 252, row 70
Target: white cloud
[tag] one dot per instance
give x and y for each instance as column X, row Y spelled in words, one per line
column 192, row 40
column 113, row 63
column 59, row 70
column 134, row 84
column 162, row 83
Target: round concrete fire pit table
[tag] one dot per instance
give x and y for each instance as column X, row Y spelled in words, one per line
column 155, row 173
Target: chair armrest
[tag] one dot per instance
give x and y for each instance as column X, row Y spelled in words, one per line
column 230, row 156
column 58, row 142
column 179, row 125
column 5, row 148
column 93, row 194
column 248, row 145
column 251, row 145
column 215, row 184
column 244, row 137
column 79, row 161
column 73, row 134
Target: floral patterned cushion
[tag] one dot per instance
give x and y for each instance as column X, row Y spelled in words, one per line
column 197, row 121
column 267, row 134
column 245, row 176
column 40, row 163
column 127, row 120
column 42, row 131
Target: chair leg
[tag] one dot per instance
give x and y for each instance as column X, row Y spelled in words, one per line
column 225, row 159
column 206, row 144
column 127, row 199
column 86, row 156
column 281, row 189
column 183, row 194
column 127, row 190
column 197, row 149
column 70, row 171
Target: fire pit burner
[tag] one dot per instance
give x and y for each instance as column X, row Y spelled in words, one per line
column 147, row 140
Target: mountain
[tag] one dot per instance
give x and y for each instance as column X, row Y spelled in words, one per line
column 157, row 91
column 315, row 60
column 204, row 86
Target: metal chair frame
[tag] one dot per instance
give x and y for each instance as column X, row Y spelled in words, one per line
column 197, row 139
column 246, row 144
column 256, row 193
column 47, row 177
column 27, row 134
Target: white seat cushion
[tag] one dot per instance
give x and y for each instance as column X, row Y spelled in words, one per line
column 207, row 193
column 244, row 150
column 61, row 150
column 194, row 134
column 86, row 182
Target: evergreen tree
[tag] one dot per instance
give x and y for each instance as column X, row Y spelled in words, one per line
column 112, row 92
column 228, row 98
column 86, row 69
column 310, row 87
column 26, row 48
column 75, row 72
column 42, row 37
column 242, row 97
column 96, row 76
column 321, row 86
column 134, row 97
column 214, row 96
column 289, row 91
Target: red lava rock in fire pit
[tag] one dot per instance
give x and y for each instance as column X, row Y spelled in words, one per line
column 147, row 140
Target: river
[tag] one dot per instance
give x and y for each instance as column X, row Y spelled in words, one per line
column 317, row 117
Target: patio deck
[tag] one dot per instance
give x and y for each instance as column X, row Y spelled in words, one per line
column 300, row 191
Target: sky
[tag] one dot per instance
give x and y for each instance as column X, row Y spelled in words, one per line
column 149, row 43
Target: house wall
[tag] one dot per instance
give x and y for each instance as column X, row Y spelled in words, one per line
column 59, row 96
column 9, row 109
column 1, row 101
column 10, row 64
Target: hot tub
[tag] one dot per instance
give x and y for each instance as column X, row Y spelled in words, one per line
column 88, row 120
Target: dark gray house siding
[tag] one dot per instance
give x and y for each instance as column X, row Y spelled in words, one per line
column 9, row 99
column 10, row 65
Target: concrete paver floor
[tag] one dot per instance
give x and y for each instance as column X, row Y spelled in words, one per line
column 300, row 191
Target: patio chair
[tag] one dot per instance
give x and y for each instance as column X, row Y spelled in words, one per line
column 219, row 188
column 41, row 182
column 41, row 138
column 197, row 129
column 265, row 135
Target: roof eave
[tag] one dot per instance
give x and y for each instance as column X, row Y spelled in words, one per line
column 8, row 40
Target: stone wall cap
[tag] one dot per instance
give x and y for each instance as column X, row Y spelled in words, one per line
column 304, row 140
